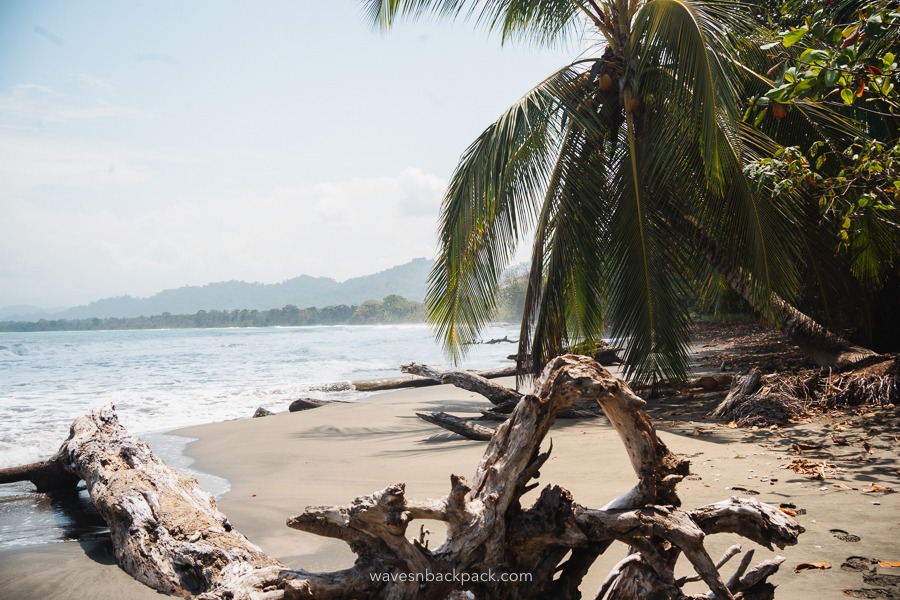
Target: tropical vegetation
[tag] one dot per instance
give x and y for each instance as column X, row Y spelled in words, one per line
column 830, row 98
column 393, row 309
column 641, row 168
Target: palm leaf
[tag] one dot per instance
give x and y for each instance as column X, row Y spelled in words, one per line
column 565, row 300
column 492, row 200
column 544, row 22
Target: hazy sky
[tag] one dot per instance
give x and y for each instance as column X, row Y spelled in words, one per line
column 150, row 145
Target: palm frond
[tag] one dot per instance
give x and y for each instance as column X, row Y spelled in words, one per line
column 565, row 301
column 874, row 250
column 492, row 199
column 647, row 260
column 691, row 40
column 545, row 22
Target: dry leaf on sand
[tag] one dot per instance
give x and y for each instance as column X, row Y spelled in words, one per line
column 876, row 489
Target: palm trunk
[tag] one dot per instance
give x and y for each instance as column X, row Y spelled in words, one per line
column 824, row 347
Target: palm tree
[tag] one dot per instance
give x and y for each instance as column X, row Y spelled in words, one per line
column 606, row 160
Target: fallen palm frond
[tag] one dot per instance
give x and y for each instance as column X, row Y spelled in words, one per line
column 877, row 384
column 776, row 399
column 758, row 400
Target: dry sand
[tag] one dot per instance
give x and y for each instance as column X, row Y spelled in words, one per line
column 280, row 464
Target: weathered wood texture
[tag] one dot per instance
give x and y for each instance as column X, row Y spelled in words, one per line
column 496, row 394
column 392, row 383
column 759, row 400
column 166, row 531
column 46, row 476
column 168, row 534
column 395, row 383
column 463, row 427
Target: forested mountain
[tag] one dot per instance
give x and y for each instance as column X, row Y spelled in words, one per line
column 406, row 280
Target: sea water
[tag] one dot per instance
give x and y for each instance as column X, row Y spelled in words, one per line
column 164, row 379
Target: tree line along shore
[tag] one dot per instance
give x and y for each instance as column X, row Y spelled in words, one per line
column 392, row 309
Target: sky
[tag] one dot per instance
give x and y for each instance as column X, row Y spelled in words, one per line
column 150, row 145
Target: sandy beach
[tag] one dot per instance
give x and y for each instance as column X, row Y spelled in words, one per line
column 280, row 464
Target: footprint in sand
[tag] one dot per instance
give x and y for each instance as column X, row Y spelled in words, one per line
column 874, row 593
column 858, row 563
column 844, row 536
column 888, row 585
column 883, row 579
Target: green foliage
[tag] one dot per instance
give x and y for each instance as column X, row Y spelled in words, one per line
column 394, row 309
column 857, row 191
column 833, row 105
column 841, row 54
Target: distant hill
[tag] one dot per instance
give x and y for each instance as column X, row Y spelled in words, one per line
column 26, row 312
column 406, row 280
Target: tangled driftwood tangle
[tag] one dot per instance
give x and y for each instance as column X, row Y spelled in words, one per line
column 754, row 400
column 757, row 399
column 168, row 534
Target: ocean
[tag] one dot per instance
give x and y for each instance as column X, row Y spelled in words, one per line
column 165, row 379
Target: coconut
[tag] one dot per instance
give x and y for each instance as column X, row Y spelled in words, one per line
column 606, row 82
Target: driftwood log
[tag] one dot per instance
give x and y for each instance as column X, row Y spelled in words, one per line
column 503, row 398
column 463, row 427
column 496, row 394
column 168, row 533
column 395, row 383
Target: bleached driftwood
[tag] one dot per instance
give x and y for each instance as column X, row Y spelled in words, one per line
column 166, row 531
column 396, row 383
column 503, row 398
column 496, row 394
column 168, row 534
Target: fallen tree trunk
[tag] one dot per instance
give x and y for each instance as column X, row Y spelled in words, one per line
column 463, row 427
column 508, row 371
column 46, row 476
column 472, row 382
column 166, row 531
column 392, row 383
column 824, row 347
column 396, row 383
column 581, row 412
column 168, row 534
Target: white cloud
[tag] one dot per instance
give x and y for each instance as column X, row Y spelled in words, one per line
column 338, row 229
